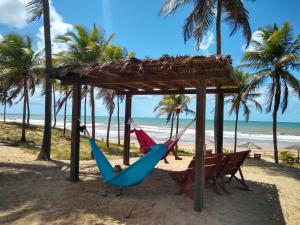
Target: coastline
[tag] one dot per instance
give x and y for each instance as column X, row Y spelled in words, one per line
column 159, row 131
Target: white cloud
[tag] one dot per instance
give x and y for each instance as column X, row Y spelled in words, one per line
column 256, row 36
column 144, row 96
column 206, row 42
column 58, row 26
column 13, row 13
column 1, row 37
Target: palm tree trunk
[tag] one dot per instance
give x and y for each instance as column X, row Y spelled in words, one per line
column 275, row 136
column 84, row 114
column 172, row 125
column 54, row 107
column 92, row 111
column 177, row 128
column 92, row 114
column 28, row 109
column 46, row 146
column 108, row 129
column 219, row 51
column 118, row 115
column 275, row 111
column 218, row 27
column 23, row 138
column 4, row 110
column 84, row 111
column 65, row 115
column 235, row 127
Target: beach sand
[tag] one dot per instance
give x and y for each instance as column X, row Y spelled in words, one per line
column 36, row 192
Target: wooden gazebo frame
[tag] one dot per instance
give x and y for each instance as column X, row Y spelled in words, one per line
column 167, row 75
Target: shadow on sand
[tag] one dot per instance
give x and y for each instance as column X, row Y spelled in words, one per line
column 41, row 193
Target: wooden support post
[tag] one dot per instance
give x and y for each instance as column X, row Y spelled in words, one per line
column 200, row 144
column 75, row 138
column 219, row 122
column 127, row 129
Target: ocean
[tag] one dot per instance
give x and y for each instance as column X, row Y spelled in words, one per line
column 258, row 132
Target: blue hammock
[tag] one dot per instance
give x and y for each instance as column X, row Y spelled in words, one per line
column 132, row 175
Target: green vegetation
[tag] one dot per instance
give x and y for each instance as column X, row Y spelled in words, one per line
column 10, row 134
column 287, row 157
column 19, row 71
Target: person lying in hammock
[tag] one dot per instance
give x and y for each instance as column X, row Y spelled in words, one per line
column 117, row 168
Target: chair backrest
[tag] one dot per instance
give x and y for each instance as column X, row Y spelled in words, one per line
column 211, row 164
column 234, row 161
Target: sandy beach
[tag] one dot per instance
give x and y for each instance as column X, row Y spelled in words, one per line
column 35, row 192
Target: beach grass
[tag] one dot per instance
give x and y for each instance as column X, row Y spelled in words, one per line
column 10, row 134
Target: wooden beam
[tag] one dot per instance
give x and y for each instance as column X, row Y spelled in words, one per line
column 75, row 136
column 200, row 144
column 127, row 129
column 133, row 78
column 181, row 91
column 219, row 122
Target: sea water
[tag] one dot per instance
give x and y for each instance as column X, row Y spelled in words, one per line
column 258, row 132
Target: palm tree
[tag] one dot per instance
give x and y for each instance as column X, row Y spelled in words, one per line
column 200, row 21
column 66, row 93
column 37, row 8
column 18, row 67
column 114, row 52
column 4, row 96
column 108, row 99
column 86, row 47
column 55, row 85
column 120, row 99
column 274, row 58
column 173, row 106
column 241, row 100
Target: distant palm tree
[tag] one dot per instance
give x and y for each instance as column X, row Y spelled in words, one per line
column 18, row 67
column 35, row 9
column 55, row 86
column 4, row 96
column 275, row 57
column 108, row 99
column 114, row 52
column 86, row 47
column 66, row 93
column 241, row 100
column 173, row 106
column 120, row 99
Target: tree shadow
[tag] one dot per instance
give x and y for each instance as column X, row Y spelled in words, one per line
column 275, row 169
column 42, row 193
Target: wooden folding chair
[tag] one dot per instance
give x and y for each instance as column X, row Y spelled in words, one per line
column 186, row 178
column 232, row 164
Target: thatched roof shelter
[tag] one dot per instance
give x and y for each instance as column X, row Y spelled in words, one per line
column 152, row 75
column 167, row 75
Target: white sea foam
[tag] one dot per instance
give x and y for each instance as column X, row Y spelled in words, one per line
column 160, row 133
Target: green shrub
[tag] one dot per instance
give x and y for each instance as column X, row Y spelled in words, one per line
column 286, row 156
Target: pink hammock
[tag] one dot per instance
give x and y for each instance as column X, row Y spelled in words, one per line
column 145, row 142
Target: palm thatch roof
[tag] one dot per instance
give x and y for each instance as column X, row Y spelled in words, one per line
column 149, row 75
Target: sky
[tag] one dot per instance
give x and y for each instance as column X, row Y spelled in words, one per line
column 138, row 27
